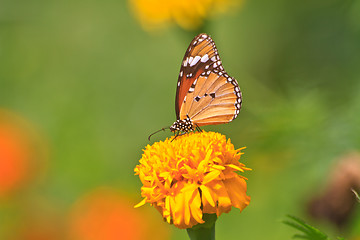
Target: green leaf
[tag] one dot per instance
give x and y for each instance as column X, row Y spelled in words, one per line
column 300, row 236
column 308, row 232
column 294, row 225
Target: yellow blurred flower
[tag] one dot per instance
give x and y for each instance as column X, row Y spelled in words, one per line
column 192, row 175
column 188, row 14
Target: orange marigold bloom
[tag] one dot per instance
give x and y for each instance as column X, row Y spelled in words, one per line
column 188, row 14
column 193, row 174
column 106, row 214
column 21, row 152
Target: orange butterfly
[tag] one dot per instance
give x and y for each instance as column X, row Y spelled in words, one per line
column 205, row 94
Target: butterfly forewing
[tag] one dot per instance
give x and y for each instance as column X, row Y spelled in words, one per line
column 200, row 59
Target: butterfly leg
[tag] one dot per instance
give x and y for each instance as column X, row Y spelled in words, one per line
column 198, row 128
column 178, row 134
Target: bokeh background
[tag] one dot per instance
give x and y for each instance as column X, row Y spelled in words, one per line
column 83, row 84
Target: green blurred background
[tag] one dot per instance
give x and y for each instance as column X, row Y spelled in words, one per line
column 96, row 85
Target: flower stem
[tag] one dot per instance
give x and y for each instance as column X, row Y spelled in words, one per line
column 205, row 231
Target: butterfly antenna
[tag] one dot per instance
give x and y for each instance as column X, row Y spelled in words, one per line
column 163, row 129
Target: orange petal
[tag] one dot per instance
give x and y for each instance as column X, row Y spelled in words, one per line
column 207, row 195
column 211, row 176
column 140, row 203
column 236, row 188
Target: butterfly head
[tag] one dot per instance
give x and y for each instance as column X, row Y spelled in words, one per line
column 184, row 125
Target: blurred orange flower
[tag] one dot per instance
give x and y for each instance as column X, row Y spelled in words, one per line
column 184, row 178
column 104, row 214
column 19, row 152
column 188, row 14
column 38, row 219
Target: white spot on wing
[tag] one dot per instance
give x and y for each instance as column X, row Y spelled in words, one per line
column 190, row 60
column 194, row 61
column 205, row 58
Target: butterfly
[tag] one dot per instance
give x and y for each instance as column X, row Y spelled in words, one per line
column 205, row 94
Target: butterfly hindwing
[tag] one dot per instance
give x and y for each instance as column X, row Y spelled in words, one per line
column 201, row 58
column 216, row 99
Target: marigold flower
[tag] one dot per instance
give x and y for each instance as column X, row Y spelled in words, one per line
column 21, row 152
column 188, row 14
column 106, row 214
column 193, row 174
